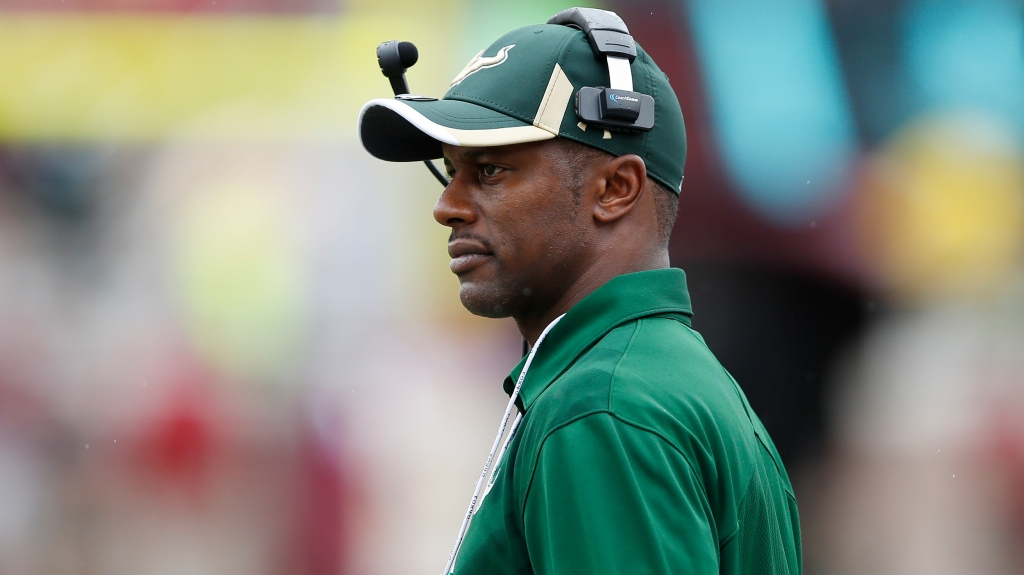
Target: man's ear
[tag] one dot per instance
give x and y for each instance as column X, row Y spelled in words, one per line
column 624, row 181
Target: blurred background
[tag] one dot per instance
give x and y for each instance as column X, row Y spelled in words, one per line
column 229, row 341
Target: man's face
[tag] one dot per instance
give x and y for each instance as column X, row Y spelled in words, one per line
column 518, row 238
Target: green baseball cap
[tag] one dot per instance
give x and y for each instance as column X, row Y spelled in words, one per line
column 522, row 89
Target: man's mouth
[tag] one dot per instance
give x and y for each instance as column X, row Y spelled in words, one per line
column 467, row 254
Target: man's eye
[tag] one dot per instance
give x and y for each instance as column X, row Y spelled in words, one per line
column 489, row 170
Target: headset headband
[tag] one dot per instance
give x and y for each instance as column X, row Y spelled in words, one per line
column 617, row 107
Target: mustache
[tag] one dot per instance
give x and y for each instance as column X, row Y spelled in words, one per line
column 469, row 236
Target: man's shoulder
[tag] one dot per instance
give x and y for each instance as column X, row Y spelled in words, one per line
column 584, row 387
column 668, row 380
column 668, row 362
column 654, row 372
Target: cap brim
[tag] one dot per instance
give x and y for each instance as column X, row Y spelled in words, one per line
column 413, row 130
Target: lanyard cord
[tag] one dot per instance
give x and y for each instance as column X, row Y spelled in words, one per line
column 504, row 447
column 450, row 566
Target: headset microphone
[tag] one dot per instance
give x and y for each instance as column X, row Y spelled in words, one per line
column 394, row 58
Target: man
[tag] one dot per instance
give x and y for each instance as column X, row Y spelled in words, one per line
column 637, row 451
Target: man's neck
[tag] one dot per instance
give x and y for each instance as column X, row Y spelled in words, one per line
column 593, row 277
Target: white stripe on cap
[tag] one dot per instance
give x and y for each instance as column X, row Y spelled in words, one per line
column 410, row 115
column 456, row 137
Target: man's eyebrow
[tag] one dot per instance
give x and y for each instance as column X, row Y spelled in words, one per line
column 475, row 153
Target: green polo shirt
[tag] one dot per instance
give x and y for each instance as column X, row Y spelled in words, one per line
column 638, row 453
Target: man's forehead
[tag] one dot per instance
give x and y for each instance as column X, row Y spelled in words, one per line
column 466, row 153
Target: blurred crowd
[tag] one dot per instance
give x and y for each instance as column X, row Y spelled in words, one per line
column 230, row 343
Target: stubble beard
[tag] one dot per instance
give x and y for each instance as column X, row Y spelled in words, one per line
column 529, row 292
column 500, row 297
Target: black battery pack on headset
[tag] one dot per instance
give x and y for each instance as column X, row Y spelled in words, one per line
column 620, row 110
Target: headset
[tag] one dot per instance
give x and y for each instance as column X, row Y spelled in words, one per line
column 615, row 107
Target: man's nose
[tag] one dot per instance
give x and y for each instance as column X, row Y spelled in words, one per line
column 453, row 208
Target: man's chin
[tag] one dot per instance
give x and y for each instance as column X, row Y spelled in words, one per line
column 485, row 302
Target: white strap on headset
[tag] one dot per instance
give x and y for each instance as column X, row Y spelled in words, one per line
column 619, row 75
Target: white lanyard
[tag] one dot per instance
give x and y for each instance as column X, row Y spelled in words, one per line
column 450, row 566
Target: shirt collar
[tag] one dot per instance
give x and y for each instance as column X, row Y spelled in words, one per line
column 623, row 299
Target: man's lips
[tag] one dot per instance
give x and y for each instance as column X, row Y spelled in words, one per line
column 467, row 254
